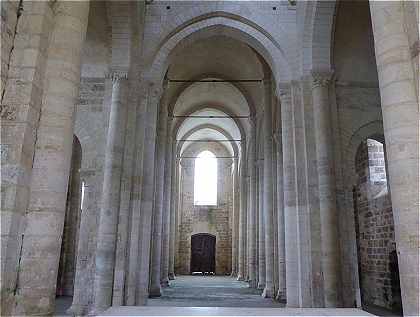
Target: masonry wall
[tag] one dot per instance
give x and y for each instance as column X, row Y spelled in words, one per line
column 377, row 258
column 215, row 220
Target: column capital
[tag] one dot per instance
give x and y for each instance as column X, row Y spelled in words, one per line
column 117, row 75
column 321, row 78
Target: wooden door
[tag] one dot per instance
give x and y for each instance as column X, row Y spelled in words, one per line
column 203, row 251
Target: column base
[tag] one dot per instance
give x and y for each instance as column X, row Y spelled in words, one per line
column 171, row 276
column 240, row 277
column 164, row 283
column 155, row 292
column 267, row 293
column 281, row 297
column 95, row 311
column 252, row 283
column 260, row 285
column 233, row 274
column 76, row 310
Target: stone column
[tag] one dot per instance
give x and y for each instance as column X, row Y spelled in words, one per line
column 167, row 207
column 268, row 192
column 303, row 242
column 79, row 304
column 155, row 287
column 252, row 208
column 235, row 219
column 242, row 217
column 173, row 211
column 152, row 94
column 44, row 218
column 281, row 261
column 289, row 189
column 108, row 218
column 261, row 226
column 400, row 110
column 327, row 187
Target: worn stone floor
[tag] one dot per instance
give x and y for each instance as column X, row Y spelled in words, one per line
column 211, row 291
column 218, row 296
column 213, row 296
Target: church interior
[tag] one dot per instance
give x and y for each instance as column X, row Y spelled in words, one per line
column 210, row 158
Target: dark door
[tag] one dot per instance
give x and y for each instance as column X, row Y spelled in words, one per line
column 203, row 249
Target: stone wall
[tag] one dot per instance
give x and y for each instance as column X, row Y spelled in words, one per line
column 379, row 281
column 215, row 220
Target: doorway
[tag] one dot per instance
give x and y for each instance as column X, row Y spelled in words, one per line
column 203, row 251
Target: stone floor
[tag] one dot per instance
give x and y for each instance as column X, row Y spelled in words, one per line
column 211, row 291
column 218, row 296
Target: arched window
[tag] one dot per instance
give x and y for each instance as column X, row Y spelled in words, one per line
column 205, row 179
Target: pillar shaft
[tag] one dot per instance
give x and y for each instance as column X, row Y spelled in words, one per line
column 303, row 226
column 242, row 234
column 327, row 187
column 281, row 261
column 235, row 222
column 152, row 94
column 252, row 209
column 108, row 218
column 167, row 208
column 155, row 287
column 261, row 225
column 289, row 189
column 173, row 210
column 400, row 110
column 44, row 218
column 268, row 192
column 80, row 304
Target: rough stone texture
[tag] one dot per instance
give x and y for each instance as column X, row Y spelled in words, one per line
column 378, row 263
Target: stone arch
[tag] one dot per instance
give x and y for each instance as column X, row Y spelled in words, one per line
column 213, row 127
column 227, row 26
column 236, row 85
column 221, row 108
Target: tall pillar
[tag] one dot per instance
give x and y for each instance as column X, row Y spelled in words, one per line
column 34, row 292
column 252, row 208
column 173, row 210
column 400, row 110
column 235, row 220
column 155, row 287
column 302, row 208
column 289, row 189
column 167, row 207
column 242, row 234
column 261, row 226
column 327, row 187
column 268, row 191
column 152, row 94
column 281, row 261
column 108, row 218
column 79, row 304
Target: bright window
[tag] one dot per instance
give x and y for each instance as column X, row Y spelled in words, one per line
column 205, row 179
